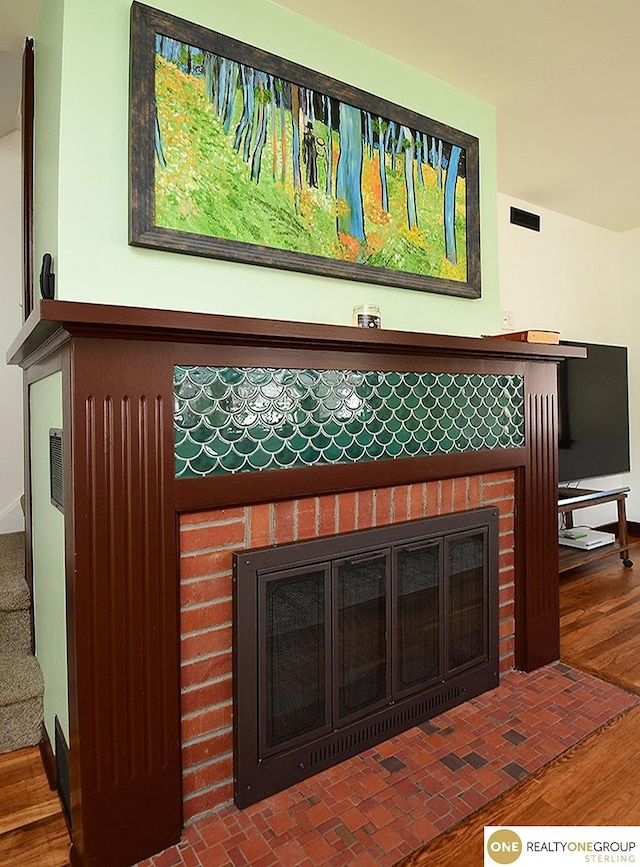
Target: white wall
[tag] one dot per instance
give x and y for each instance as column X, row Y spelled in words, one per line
column 564, row 278
column 580, row 280
column 11, row 473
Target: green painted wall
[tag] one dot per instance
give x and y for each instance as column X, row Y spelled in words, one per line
column 94, row 262
column 50, row 613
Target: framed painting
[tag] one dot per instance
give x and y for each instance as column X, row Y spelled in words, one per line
column 238, row 154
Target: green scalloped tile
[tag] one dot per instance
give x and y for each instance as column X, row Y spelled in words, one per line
column 385, row 436
column 202, row 375
column 384, row 389
column 344, row 439
column 245, row 446
column 310, row 456
column 231, row 433
column 375, row 425
column 246, row 419
column 332, row 453
column 187, row 448
column 259, row 459
column 204, row 464
column 232, row 462
column 257, row 375
column 355, row 425
column 394, row 448
column 355, row 451
column 365, row 438
column 272, row 444
column 331, row 428
column 202, row 433
column 321, row 440
column 186, row 389
column 286, row 457
column 309, row 429
column 186, row 420
column 182, row 468
column 260, row 431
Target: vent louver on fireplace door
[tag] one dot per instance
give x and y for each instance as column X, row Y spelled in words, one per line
column 343, row 641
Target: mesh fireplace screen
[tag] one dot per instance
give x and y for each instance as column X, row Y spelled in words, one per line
column 418, row 625
column 341, row 642
column 361, row 634
column 294, row 658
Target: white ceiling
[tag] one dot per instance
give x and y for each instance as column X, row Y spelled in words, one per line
column 564, row 76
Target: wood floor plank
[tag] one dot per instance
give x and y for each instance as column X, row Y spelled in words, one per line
column 33, row 832
column 44, row 843
column 25, row 795
column 600, row 622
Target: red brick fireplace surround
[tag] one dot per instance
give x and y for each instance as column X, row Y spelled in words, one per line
column 207, row 542
column 148, row 554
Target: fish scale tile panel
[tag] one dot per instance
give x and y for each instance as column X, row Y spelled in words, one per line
column 243, row 419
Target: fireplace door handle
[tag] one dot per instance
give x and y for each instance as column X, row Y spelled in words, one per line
column 366, row 558
column 421, row 547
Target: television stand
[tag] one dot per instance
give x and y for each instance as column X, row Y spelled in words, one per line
column 571, row 499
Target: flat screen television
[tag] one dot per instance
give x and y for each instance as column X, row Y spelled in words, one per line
column 593, row 400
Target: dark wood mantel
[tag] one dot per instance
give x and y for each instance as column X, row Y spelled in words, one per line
column 122, row 502
column 51, row 319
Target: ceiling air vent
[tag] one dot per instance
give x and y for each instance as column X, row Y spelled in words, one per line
column 525, row 219
column 55, row 468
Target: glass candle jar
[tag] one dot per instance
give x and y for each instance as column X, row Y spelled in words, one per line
column 367, row 316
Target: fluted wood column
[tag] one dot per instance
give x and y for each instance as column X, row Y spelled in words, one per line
column 121, row 572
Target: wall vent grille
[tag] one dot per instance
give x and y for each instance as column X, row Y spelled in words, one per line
column 55, row 468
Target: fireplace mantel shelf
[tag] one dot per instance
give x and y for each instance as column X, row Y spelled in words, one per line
column 52, row 322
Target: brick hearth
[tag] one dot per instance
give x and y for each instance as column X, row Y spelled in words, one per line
column 375, row 809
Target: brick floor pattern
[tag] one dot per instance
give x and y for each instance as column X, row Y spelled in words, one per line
column 380, row 806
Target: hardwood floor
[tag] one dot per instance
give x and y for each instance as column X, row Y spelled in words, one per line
column 591, row 784
column 33, row 832
column 600, row 620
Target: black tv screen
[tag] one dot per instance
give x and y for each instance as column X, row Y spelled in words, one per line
column 593, row 399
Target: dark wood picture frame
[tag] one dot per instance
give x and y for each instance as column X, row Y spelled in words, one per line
column 145, row 132
column 28, row 118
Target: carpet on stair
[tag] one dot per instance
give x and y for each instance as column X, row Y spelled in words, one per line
column 21, row 701
column 15, row 600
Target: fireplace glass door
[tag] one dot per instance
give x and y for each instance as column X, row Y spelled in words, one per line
column 362, row 634
column 340, row 641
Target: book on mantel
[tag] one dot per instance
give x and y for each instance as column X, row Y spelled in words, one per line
column 529, row 336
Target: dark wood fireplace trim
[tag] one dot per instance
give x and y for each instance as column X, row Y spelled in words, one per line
column 121, row 524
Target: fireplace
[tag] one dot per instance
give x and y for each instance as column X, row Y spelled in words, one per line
column 140, row 492
column 344, row 641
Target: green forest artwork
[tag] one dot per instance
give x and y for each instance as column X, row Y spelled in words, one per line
column 258, row 159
